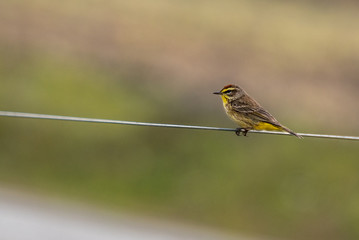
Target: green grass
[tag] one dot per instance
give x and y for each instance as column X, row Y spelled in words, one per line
column 273, row 185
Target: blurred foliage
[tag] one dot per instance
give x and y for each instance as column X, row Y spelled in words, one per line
column 280, row 186
column 79, row 63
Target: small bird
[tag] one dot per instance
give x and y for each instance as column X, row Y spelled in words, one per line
column 247, row 112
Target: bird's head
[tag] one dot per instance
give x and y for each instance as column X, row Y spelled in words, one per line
column 230, row 92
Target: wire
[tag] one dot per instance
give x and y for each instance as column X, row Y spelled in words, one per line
column 96, row 120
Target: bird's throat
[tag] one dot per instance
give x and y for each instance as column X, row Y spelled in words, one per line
column 224, row 99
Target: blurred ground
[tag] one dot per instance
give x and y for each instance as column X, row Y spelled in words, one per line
column 26, row 218
column 159, row 61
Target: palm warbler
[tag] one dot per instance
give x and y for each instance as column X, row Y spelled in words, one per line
column 247, row 112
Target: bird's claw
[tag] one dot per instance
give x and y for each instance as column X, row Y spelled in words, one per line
column 241, row 130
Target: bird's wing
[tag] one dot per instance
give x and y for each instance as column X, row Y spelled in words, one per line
column 255, row 111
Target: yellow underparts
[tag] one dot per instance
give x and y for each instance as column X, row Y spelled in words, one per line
column 266, row 126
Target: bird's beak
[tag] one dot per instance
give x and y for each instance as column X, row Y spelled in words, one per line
column 218, row 93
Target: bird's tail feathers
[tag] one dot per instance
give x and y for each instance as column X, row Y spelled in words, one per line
column 291, row 132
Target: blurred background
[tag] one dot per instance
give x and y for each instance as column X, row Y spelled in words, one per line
column 159, row 61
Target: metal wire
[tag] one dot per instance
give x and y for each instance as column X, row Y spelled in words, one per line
column 96, row 120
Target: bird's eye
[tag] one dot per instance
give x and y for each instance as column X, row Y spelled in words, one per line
column 228, row 92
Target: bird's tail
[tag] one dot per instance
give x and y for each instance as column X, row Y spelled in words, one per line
column 291, row 132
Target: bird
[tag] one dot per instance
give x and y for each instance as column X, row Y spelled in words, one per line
column 247, row 112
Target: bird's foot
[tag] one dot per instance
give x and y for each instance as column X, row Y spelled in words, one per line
column 241, row 130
